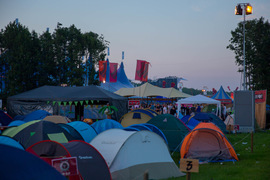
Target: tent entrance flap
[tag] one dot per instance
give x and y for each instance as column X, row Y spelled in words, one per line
column 208, row 146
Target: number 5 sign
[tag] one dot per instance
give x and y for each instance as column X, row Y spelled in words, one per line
column 189, row 165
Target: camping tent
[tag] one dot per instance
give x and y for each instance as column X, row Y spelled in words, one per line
column 138, row 116
column 149, row 90
column 19, row 164
column 5, row 119
column 50, row 98
column 105, row 124
column 10, row 142
column 57, row 119
column 35, row 131
column 86, row 130
column 222, row 96
column 208, row 143
column 172, row 127
column 129, row 153
column 90, row 163
column 198, row 99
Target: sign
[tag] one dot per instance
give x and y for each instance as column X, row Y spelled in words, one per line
column 134, row 102
column 66, row 166
column 189, row 165
column 236, row 127
column 260, row 96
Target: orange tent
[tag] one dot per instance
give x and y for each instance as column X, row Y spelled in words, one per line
column 207, row 142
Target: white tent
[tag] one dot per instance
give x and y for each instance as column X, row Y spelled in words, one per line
column 198, row 99
column 130, row 153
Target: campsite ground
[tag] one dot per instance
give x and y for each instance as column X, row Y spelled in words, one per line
column 250, row 166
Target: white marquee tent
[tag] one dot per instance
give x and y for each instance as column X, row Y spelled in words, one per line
column 129, row 153
column 198, row 99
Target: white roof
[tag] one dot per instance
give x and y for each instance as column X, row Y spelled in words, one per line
column 198, row 99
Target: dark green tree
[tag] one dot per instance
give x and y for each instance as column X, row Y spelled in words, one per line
column 19, row 50
column 257, row 45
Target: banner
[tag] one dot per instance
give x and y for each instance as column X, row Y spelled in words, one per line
column 172, row 84
column 142, row 70
column 113, row 72
column 102, row 70
column 66, row 166
column 260, row 108
column 163, row 84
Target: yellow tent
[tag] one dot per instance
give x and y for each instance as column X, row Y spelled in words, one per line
column 149, row 90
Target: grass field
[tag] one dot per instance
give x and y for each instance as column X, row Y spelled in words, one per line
column 250, row 166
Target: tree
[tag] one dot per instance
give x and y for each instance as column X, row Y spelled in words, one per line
column 257, row 45
column 19, row 50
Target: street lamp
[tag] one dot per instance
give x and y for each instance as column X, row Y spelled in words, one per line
column 247, row 8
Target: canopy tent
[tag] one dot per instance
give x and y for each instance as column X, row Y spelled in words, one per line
column 50, row 98
column 149, row 90
column 129, row 153
column 222, row 96
column 198, row 99
column 122, row 80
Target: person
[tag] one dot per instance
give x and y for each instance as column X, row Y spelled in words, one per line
column 169, row 107
column 158, row 108
column 223, row 112
column 198, row 109
column 192, row 110
column 165, row 109
column 173, row 111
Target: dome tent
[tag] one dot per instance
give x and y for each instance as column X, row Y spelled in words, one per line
column 207, row 143
column 129, row 153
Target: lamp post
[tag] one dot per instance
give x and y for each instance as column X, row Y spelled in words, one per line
column 247, row 8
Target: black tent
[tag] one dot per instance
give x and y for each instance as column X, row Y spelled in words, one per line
column 43, row 98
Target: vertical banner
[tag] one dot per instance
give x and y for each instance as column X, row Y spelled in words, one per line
column 172, row 84
column 145, row 72
column 113, row 72
column 108, row 51
column 102, row 70
column 260, row 108
column 123, row 55
column 142, row 70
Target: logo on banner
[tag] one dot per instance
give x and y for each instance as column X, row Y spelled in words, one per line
column 66, row 166
column 260, row 96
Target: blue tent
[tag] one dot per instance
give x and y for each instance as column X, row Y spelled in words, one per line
column 222, row 96
column 36, row 115
column 87, row 131
column 209, row 117
column 10, row 142
column 122, row 80
column 105, row 124
column 5, row 119
column 190, row 121
column 16, row 123
column 18, row 164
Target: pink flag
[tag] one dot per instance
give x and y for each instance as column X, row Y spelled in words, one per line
column 113, row 72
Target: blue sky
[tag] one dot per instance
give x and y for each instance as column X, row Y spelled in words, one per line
column 184, row 38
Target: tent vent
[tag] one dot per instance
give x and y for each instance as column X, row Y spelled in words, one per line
column 136, row 116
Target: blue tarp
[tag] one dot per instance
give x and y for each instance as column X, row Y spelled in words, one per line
column 18, row 164
column 105, row 124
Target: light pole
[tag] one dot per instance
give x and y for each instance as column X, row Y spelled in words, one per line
column 247, row 8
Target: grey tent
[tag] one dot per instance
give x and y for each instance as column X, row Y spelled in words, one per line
column 50, row 97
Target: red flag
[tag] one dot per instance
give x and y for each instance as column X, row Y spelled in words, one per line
column 142, row 70
column 102, row 70
column 163, row 84
column 229, row 88
column 113, row 72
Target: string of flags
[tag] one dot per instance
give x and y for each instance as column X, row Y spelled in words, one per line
column 86, row 102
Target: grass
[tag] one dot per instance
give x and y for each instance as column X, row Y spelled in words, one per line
column 250, row 166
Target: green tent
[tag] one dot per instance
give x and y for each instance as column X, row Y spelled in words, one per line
column 172, row 127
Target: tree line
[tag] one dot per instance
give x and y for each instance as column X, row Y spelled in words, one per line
column 65, row 56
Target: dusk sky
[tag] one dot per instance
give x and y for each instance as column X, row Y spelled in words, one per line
column 183, row 38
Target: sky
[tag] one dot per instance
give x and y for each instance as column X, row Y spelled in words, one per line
column 183, row 38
